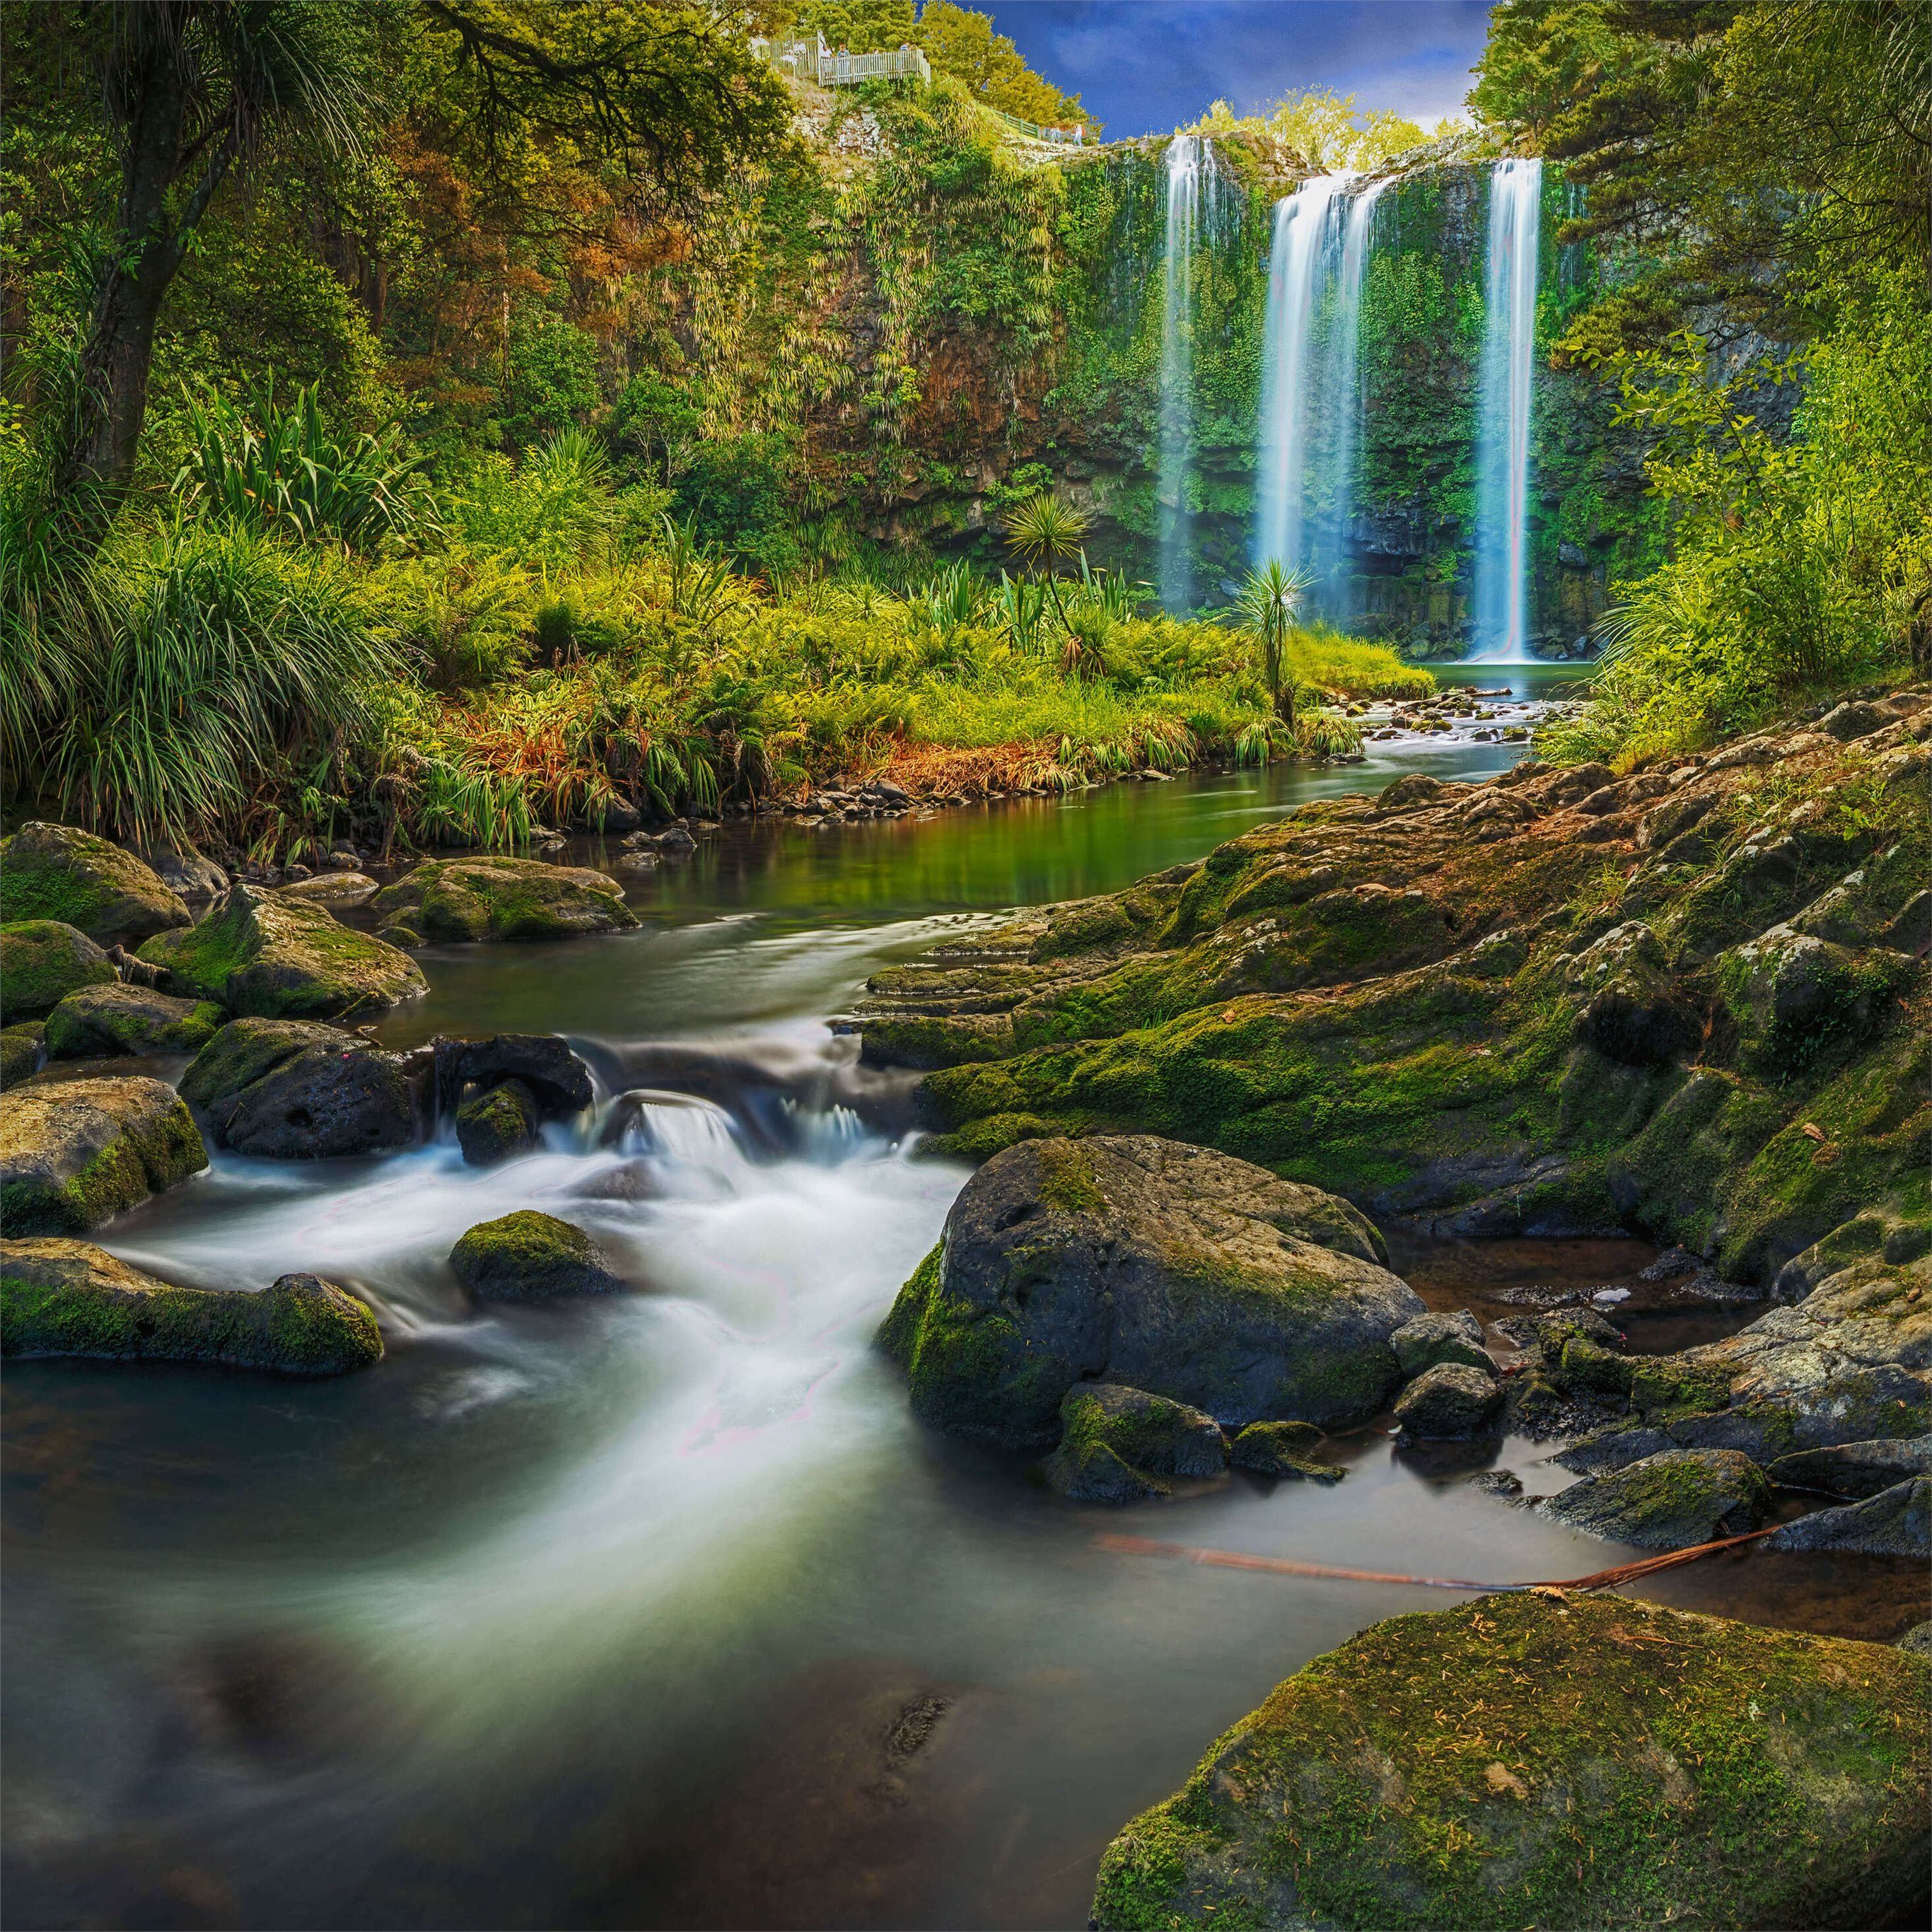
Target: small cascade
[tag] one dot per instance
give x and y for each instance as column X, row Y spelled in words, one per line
column 1346, row 385
column 1301, row 259
column 1194, row 195
column 1502, row 508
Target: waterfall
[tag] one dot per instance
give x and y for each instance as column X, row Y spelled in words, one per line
column 1299, row 260
column 1193, row 181
column 1347, row 384
column 1502, row 511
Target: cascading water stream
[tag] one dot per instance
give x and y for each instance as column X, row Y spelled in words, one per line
column 1193, row 180
column 1502, row 513
column 1300, row 259
column 1347, row 386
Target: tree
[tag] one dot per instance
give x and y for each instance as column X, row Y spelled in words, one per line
column 1329, row 132
column 1267, row 608
column 1047, row 531
column 962, row 44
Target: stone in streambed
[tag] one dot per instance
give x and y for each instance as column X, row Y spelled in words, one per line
column 530, row 1257
column 73, row 1154
column 1670, row 1501
column 1854, row 1470
column 1148, row 1436
column 269, row 957
column 69, row 1297
column 338, row 891
column 116, row 1020
column 1281, row 1450
column 498, row 1124
column 23, row 1049
column 1896, row 1522
column 41, row 962
column 1450, row 1403
column 291, row 1090
column 1625, row 1764
column 55, row 872
column 544, row 1062
column 1167, row 1267
column 1430, row 1339
column 451, row 901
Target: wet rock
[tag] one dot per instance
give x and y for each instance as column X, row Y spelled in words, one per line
column 1331, row 1805
column 73, row 1154
column 41, row 962
column 69, row 1297
column 261, row 954
column 1917, row 1640
column 1854, row 1470
column 1497, row 1482
column 1631, row 1012
column 183, row 869
column 1283, row 1449
column 338, row 889
column 292, row 1090
column 527, row 1256
column 498, row 1124
column 23, row 1049
column 544, row 1062
column 1450, row 1403
column 1147, row 1435
column 452, row 902
column 1616, row 1447
column 113, row 1020
column 1896, row 1522
column 55, row 872
column 1667, row 1501
column 1170, row 1268
column 1430, row 1338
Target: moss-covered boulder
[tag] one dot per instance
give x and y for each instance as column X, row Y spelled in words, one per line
column 1169, row 1268
column 292, row 1090
column 498, row 1124
column 279, row 958
column 1592, row 1763
column 41, row 962
column 1896, row 1522
column 530, row 1257
column 340, row 892
column 1106, row 1429
column 74, row 1152
column 1283, row 1449
column 55, row 872
column 68, row 1297
column 1450, row 1403
column 23, row 1051
column 1669, row 1501
column 119, row 1019
column 450, row 901
column 1430, row 1338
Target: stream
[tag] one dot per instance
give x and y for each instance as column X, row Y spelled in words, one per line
column 660, row 1610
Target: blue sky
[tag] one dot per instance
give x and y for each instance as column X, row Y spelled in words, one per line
column 1146, row 66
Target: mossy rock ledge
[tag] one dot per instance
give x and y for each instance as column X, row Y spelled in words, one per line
column 294, row 1089
column 134, row 1020
column 527, row 1256
column 452, row 902
column 279, row 958
column 1590, row 1763
column 41, row 962
column 1669, row 1501
column 69, row 1297
column 74, row 1152
column 56, row 872
column 1167, row 1268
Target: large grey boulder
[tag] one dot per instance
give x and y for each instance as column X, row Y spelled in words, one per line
column 450, row 901
column 1430, row 1339
column 74, row 1152
column 1450, row 1403
column 57, row 872
column 133, row 1021
column 1670, row 1501
column 1170, row 1268
column 291, row 1090
column 1854, row 1470
column 1896, row 1522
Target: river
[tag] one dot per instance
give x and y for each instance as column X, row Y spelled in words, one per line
column 659, row 1609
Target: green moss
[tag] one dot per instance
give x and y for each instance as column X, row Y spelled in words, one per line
column 1067, row 1182
column 129, row 1021
column 529, row 1256
column 41, row 962
column 1660, row 1385
column 1587, row 1366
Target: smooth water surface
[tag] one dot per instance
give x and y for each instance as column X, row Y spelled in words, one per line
column 659, row 1609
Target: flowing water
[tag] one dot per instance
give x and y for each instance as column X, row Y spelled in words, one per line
column 659, row 1609
column 1356, row 239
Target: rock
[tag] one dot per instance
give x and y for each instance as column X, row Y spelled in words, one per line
column 73, row 1153
column 497, row 1124
column 132, row 1020
column 1497, row 1482
column 530, row 1257
column 22, row 1050
column 1151, row 1436
column 41, row 962
column 1487, row 1766
column 1091, row 1472
column 451, row 901
column 1896, row 1522
column 1855, row 1469
column 263, row 954
column 1790, row 992
column 1631, row 1011
column 184, row 870
column 1281, row 1449
column 1450, row 1403
column 54, row 872
column 346, row 889
column 291, row 1090
column 1430, row 1339
column 1667, row 1501
column 1170, row 1268
column 67, row 1297
column 1917, row 1640
column 555, row 1076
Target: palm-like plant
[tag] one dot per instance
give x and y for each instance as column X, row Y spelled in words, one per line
column 1267, row 608
column 1047, row 531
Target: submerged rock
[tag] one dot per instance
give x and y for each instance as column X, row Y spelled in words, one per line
column 346, row 890
column 1450, row 1403
column 1524, row 1760
column 1148, row 1436
column 272, row 958
column 67, row 1298
column 75, row 1153
column 130, row 1020
column 1896, row 1522
column 1667, row 1501
column 41, row 962
column 452, row 901
column 530, row 1257
column 1169, row 1268
column 55, row 872
column 291, row 1090
column 1281, row 1449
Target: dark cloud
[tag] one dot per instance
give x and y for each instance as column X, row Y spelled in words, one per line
column 1145, row 66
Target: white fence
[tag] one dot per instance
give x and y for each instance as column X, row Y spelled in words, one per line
column 807, row 60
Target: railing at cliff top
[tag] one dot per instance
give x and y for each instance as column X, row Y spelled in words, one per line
column 804, row 62
column 1072, row 136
